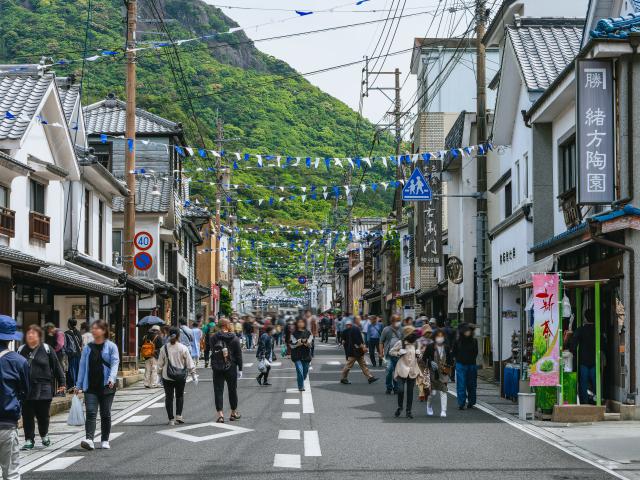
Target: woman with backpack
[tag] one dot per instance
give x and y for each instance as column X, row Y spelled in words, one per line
column 301, row 343
column 265, row 355
column 97, row 379
column 150, row 351
column 226, row 363
column 45, row 371
column 407, row 370
column 176, row 364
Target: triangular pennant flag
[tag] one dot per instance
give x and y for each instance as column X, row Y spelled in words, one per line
column 384, row 162
column 363, row 187
column 351, row 163
column 317, row 162
column 302, row 13
column 189, row 151
column 338, row 162
column 325, row 195
column 259, row 157
column 367, row 160
column 308, row 162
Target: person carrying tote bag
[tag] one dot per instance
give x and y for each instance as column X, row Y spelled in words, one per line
column 176, row 364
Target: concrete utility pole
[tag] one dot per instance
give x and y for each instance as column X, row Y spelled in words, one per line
column 130, row 140
column 397, row 114
column 219, row 177
column 481, row 164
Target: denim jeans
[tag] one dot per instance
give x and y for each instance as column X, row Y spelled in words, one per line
column 248, row 338
column 302, row 370
column 373, row 350
column 390, row 383
column 587, row 378
column 72, row 374
column 466, row 383
column 92, row 401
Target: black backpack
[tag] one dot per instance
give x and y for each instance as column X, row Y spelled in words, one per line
column 219, row 361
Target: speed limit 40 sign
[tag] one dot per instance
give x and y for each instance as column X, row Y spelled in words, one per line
column 143, row 241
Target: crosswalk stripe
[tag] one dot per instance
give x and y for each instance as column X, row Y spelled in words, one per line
column 291, row 415
column 292, row 401
column 157, row 405
column 289, row 435
column 136, row 418
column 282, row 460
column 311, row 444
column 248, row 365
column 60, row 463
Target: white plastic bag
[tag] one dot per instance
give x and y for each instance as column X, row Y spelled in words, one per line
column 76, row 413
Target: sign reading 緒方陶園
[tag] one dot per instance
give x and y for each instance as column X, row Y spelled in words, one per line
column 595, row 132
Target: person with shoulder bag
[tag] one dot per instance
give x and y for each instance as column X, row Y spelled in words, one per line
column 265, row 354
column 97, row 379
column 176, row 365
column 226, row 364
column 439, row 358
column 355, row 349
column 301, row 342
column 73, row 349
column 407, row 370
column 45, row 372
column 150, row 351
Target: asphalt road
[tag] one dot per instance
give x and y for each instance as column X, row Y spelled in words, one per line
column 336, row 432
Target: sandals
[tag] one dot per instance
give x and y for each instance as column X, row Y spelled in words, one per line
column 220, row 420
column 234, row 416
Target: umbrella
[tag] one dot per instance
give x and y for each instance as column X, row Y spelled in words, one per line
column 150, row 320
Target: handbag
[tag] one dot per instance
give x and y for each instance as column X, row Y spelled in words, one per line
column 174, row 373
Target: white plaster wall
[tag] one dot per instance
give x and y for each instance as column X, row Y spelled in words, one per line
column 561, row 125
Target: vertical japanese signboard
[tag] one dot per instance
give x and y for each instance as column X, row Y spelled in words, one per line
column 429, row 214
column 595, row 132
column 368, row 267
column 545, row 359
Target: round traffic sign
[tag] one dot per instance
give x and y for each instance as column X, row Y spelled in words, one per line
column 302, row 279
column 143, row 240
column 142, row 261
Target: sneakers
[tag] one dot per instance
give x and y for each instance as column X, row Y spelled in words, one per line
column 372, row 380
column 179, row 419
column 87, row 444
column 398, row 412
column 105, row 445
column 28, row 445
column 443, row 414
column 409, row 415
column 172, row 422
column 46, row 441
column 344, row 381
column 430, row 410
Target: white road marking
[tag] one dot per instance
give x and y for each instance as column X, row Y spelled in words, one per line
column 289, row 435
column 276, row 364
column 157, row 405
column 178, row 432
column 282, row 460
column 60, row 463
column 293, row 390
column 311, row 444
column 307, row 399
column 248, row 365
column 334, row 363
column 292, row 401
column 291, row 415
column 136, row 418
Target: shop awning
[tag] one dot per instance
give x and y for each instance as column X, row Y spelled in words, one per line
column 16, row 258
column 139, row 284
column 68, row 278
column 523, row 274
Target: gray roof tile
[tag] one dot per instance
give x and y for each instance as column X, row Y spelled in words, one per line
column 68, row 96
column 20, row 95
column 72, row 278
column 13, row 256
column 543, row 51
column 108, row 116
column 145, row 201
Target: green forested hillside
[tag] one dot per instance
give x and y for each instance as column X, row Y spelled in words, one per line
column 266, row 107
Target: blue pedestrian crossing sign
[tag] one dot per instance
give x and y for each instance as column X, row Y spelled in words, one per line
column 417, row 188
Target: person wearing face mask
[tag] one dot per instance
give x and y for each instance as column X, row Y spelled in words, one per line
column 438, row 357
column 465, row 351
column 407, row 369
column 391, row 334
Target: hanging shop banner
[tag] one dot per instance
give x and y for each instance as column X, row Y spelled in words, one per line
column 545, row 360
column 368, row 267
column 596, row 133
column 429, row 228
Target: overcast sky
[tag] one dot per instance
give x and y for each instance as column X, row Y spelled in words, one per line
column 321, row 50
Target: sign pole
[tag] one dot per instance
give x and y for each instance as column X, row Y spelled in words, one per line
column 560, row 319
column 598, row 374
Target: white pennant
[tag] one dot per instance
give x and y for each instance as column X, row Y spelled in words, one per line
column 337, row 162
column 304, row 198
column 260, row 201
column 363, row 187
column 325, row 194
column 367, row 161
column 278, row 160
column 304, row 189
column 282, row 189
column 237, row 154
column 350, row 162
column 324, row 189
column 189, row 151
column 414, row 158
column 259, row 157
column 385, row 185
column 346, row 190
column 384, row 161
column 281, row 199
column 297, row 162
column 316, row 163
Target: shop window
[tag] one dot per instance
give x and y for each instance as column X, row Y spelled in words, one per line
column 4, row 197
column 567, row 166
column 37, row 202
column 508, row 200
column 87, row 221
column 116, row 240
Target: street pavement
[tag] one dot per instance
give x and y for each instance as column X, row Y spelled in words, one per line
column 331, row 431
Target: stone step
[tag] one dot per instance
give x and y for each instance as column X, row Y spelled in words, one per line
column 612, row 417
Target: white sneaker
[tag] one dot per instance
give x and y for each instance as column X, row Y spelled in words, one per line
column 430, row 410
column 443, row 414
column 87, row 444
column 172, row 423
column 179, row 419
column 105, row 445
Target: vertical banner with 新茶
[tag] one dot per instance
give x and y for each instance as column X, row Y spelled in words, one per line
column 545, row 359
column 595, row 132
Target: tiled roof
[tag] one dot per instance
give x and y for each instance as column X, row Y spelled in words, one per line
column 10, row 162
column 12, row 256
column 72, row 278
column 108, row 116
column 68, row 96
column 543, row 51
column 20, row 95
column 619, row 27
column 145, row 201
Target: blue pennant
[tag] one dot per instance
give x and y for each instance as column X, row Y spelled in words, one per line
column 103, row 138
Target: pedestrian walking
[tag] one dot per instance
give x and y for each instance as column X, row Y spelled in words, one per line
column 196, row 334
column 265, row 354
column 439, row 357
column 391, row 334
column 281, row 325
column 325, row 329
column 44, row 372
column 340, row 324
column 355, row 349
column 186, row 337
column 14, row 388
column 247, row 331
column 407, row 370
column 176, row 364
column 73, row 349
column 97, row 379
column 150, row 351
column 364, row 326
column 423, row 382
column 465, row 352
column 583, row 345
column 208, row 331
column 373, row 341
column 87, row 338
column 54, row 337
column 226, row 363
column 301, row 342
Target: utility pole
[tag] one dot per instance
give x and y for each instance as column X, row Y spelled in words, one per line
column 397, row 115
column 130, row 140
column 481, row 164
column 219, row 177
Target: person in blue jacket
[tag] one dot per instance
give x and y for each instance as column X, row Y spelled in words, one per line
column 97, row 379
column 14, row 388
